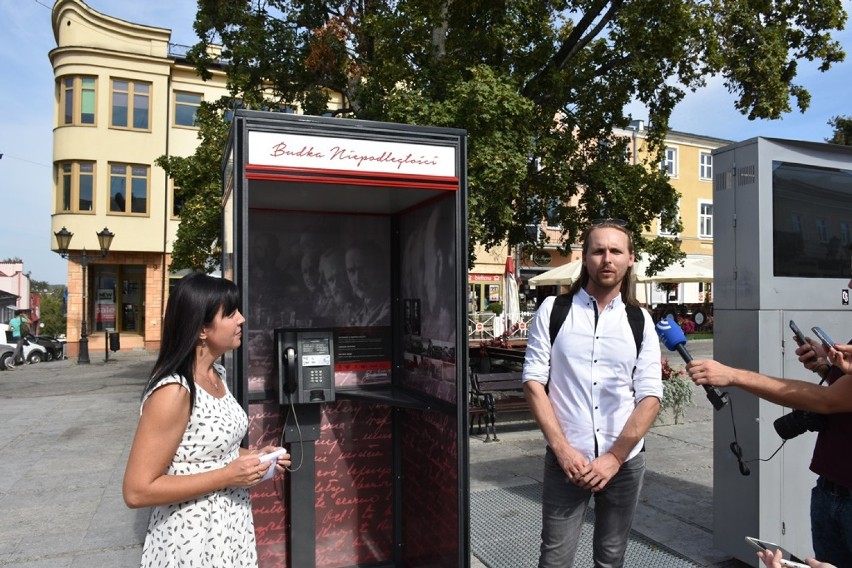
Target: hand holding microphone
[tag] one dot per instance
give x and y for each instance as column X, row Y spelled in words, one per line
column 674, row 339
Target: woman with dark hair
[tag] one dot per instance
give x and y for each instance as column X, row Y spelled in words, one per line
column 186, row 461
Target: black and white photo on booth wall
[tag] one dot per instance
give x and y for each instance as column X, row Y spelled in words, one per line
column 323, row 271
column 428, row 271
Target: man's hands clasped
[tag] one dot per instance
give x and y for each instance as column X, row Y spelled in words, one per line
column 590, row 475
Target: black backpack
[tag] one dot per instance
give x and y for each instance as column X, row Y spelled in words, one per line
column 562, row 305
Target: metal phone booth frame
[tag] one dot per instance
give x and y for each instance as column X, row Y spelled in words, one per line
column 357, row 231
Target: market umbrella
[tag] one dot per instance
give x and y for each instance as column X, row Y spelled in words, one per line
column 561, row 275
column 511, row 295
column 690, row 269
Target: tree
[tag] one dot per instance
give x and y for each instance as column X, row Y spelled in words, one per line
column 39, row 286
column 842, row 126
column 52, row 312
column 197, row 181
column 539, row 86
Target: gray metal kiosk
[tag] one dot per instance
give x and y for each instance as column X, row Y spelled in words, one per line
column 348, row 241
column 783, row 227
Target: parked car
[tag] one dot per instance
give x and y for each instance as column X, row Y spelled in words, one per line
column 55, row 348
column 33, row 352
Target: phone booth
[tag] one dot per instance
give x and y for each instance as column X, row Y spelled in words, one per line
column 348, row 241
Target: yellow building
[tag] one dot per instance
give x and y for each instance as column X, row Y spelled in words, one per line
column 689, row 163
column 124, row 97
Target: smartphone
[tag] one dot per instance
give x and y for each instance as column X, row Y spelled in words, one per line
column 827, row 342
column 787, row 559
column 800, row 337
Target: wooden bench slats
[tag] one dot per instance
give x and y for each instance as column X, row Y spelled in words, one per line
column 484, row 387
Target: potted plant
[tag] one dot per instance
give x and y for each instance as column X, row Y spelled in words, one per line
column 677, row 391
column 495, row 308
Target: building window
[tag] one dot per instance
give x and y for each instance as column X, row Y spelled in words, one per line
column 661, row 230
column 669, row 164
column 796, row 223
column 705, row 220
column 822, row 230
column 128, row 188
column 77, row 101
column 178, row 200
column 76, row 187
column 186, row 107
column 552, row 215
column 705, row 165
column 131, row 103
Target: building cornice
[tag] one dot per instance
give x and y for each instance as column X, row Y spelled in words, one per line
column 139, row 39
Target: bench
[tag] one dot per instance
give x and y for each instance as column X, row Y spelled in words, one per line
column 491, row 393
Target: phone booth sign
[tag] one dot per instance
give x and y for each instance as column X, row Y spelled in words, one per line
column 348, row 241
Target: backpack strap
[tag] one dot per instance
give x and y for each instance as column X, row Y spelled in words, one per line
column 636, row 319
column 562, row 305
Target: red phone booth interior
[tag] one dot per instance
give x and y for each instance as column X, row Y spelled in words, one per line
column 348, row 241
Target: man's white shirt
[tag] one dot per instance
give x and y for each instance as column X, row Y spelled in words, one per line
column 593, row 386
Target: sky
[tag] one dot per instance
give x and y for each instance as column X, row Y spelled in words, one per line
column 26, row 92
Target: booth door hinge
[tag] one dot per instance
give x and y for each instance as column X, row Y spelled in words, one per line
column 783, row 527
column 734, row 220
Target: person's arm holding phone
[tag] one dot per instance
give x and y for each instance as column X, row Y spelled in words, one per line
column 773, row 560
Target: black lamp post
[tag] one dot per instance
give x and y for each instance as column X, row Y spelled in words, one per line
column 63, row 240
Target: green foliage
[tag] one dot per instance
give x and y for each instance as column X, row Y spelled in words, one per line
column 51, row 312
column 495, row 308
column 539, row 86
column 39, row 286
column 842, row 126
column 197, row 179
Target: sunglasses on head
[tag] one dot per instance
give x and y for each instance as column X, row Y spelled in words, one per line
column 617, row 222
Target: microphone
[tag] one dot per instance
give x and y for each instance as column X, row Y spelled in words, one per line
column 674, row 339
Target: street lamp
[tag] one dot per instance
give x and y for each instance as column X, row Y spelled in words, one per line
column 63, row 240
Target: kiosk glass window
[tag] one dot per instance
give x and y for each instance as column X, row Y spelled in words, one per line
column 812, row 209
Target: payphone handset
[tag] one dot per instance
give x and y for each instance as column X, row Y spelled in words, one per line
column 305, row 360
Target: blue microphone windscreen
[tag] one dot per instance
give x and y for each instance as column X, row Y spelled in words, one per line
column 670, row 333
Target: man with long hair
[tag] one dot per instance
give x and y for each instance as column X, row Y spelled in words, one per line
column 594, row 393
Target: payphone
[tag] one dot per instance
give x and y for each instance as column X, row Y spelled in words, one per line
column 305, row 359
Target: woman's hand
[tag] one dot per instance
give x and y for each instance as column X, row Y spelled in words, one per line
column 246, row 471
column 281, row 462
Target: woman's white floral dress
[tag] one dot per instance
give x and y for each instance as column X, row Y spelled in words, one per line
column 215, row 530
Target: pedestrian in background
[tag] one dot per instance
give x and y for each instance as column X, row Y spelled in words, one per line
column 186, row 461
column 20, row 329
